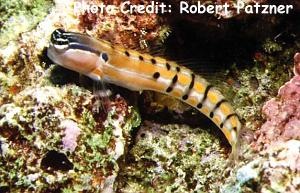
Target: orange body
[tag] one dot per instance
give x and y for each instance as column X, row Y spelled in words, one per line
column 130, row 69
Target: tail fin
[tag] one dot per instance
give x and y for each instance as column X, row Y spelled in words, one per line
column 235, row 149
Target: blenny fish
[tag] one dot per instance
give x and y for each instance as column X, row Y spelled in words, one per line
column 103, row 61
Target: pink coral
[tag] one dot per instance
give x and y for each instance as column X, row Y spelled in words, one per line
column 297, row 64
column 282, row 114
column 280, row 138
column 71, row 132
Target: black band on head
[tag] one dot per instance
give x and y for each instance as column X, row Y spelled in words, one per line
column 58, row 37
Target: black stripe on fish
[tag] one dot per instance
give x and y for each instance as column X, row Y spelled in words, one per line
column 216, row 107
column 227, row 118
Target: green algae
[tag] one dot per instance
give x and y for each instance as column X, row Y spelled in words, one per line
column 96, row 141
column 19, row 16
column 254, row 85
column 270, row 46
column 173, row 158
column 159, row 165
column 88, row 120
column 30, row 129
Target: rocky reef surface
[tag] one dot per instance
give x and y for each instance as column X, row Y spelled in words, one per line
column 277, row 162
column 57, row 136
column 173, row 158
column 50, row 141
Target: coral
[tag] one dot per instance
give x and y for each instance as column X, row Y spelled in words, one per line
column 20, row 16
column 297, row 64
column 253, row 86
column 55, row 138
column 173, row 158
column 43, row 123
column 130, row 30
column 276, row 167
column 282, row 115
column 71, row 133
column 276, row 170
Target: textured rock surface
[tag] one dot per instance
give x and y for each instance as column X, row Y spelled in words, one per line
column 19, row 16
column 273, row 170
column 41, row 154
column 55, row 135
column 297, row 64
column 130, row 30
column 173, row 158
column 282, row 115
column 276, row 167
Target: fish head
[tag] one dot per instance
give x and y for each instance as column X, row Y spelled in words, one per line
column 74, row 51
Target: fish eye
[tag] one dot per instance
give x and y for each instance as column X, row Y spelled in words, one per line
column 104, row 56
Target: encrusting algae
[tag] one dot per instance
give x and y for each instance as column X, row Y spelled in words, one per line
column 173, row 158
column 56, row 129
column 135, row 71
column 54, row 138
